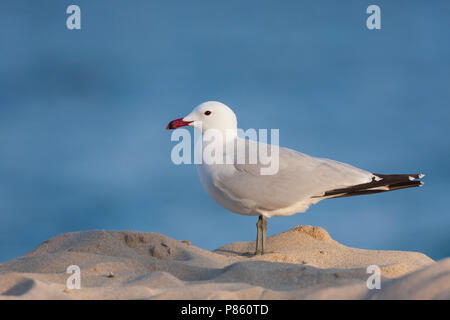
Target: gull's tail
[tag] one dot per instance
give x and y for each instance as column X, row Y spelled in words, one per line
column 379, row 183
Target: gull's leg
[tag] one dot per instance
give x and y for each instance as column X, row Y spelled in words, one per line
column 258, row 235
column 263, row 231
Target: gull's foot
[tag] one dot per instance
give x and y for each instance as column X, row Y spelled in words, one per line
column 259, row 252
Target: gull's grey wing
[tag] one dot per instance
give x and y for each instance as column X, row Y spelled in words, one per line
column 299, row 178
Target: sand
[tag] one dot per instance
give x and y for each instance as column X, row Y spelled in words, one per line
column 301, row 263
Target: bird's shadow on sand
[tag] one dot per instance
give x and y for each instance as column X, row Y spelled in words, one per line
column 246, row 254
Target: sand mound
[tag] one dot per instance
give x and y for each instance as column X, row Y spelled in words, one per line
column 313, row 246
column 301, row 263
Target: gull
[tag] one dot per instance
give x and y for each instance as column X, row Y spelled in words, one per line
column 300, row 181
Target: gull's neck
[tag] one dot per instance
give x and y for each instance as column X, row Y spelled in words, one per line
column 220, row 137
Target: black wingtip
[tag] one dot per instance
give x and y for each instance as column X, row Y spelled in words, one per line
column 379, row 183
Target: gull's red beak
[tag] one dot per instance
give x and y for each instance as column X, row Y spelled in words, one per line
column 177, row 123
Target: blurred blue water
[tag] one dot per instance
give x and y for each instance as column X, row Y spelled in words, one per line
column 82, row 113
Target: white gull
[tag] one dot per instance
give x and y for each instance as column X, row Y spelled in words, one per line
column 301, row 180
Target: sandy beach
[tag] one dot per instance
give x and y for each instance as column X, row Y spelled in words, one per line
column 302, row 263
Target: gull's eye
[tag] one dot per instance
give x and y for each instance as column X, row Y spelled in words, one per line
column 207, row 113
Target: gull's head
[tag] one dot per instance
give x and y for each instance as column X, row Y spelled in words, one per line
column 208, row 115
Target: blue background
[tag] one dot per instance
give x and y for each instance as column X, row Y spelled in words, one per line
column 82, row 113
